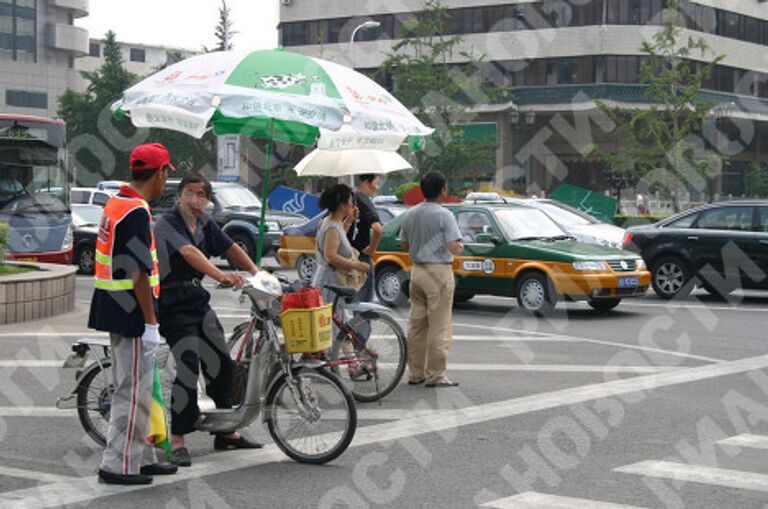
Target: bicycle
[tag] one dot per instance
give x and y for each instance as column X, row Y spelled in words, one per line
column 309, row 412
column 371, row 340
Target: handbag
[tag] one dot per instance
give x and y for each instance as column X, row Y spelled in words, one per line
column 351, row 277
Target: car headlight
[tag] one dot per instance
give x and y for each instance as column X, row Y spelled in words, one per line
column 589, row 266
column 640, row 264
column 69, row 238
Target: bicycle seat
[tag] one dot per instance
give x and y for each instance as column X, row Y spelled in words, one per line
column 342, row 291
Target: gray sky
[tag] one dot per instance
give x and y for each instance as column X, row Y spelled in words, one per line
column 188, row 24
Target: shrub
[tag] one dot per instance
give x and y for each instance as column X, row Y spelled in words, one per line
column 4, row 228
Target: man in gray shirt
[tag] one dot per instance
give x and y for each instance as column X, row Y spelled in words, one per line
column 431, row 236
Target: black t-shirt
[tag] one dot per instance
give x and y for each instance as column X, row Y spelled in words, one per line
column 118, row 311
column 359, row 234
column 184, row 303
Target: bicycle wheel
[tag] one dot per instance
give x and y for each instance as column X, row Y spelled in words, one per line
column 94, row 400
column 385, row 353
column 318, row 423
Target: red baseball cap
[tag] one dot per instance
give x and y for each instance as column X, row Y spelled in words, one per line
column 150, row 156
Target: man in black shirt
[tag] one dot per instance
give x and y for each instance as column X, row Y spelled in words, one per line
column 186, row 238
column 366, row 233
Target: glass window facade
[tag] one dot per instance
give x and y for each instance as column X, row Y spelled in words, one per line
column 24, row 99
column 18, row 30
column 532, row 16
column 138, row 55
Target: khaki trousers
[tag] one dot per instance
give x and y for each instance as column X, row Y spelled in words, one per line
column 429, row 329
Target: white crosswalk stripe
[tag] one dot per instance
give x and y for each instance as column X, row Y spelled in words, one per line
column 726, row 478
column 534, row 500
column 749, row 441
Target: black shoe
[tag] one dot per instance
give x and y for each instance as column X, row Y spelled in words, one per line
column 111, row 478
column 222, row 443
column 443, row 383
column 415, row 382
column 181, row 457
column 159, row 469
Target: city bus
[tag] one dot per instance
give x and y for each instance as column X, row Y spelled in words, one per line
column 34, row 189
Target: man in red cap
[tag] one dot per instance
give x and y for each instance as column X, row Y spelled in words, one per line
column 124, row 304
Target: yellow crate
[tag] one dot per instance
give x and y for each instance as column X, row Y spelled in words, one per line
column 308, row 330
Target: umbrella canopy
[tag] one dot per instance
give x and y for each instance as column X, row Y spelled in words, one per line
column 340, row 163
column 242, row 92
column 274, row 94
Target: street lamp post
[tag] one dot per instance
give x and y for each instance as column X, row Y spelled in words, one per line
column 362, row 26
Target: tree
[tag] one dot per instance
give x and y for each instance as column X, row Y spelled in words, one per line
column 90, row 126
column 439, row 93
column 757, row 180
column 659, row 145
column 223, row 31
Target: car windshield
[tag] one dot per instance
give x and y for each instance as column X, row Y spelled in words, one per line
column 32, row 189
column 523, row 223
column 87, row 215
column 565, row 215
column 236, row 197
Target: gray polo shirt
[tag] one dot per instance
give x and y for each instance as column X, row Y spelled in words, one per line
column 428, row 228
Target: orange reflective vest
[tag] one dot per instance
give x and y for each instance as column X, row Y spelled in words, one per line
column 116, row 209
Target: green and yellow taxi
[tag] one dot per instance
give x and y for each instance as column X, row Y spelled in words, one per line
column 513, row 250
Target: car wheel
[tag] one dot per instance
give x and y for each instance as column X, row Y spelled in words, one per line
column 391, row 285
column 86, row 259
column 246, row 243
column 604, row 304
column 305, row 267
column 460, row 298
column 535, row 294
column 671, row 277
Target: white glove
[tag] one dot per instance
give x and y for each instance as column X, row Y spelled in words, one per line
column 151, row 339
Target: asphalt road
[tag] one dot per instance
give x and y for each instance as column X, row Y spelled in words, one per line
column 651, row 405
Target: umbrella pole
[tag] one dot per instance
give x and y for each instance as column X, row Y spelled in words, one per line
column 264, row 191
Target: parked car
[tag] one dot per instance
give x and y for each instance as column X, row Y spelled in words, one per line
column 720, row 247
column 85, row 221
column 297, row 243
column 110, row 185
column 90, row 196
column 584, row 227
column 514, row 250
column 238, row 211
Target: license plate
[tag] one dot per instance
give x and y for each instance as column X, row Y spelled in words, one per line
column 629, row 282
column 26, row 259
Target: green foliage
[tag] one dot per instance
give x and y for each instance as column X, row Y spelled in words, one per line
column 96, row 138
column 223, row 31
column 439, row 94
column 757, row 180
column 658, row 144
column 4, row 229
column 404, row 188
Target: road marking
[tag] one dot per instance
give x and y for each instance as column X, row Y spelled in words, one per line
column 512, row 339
column 31, row 363
column 35, row 411
column 35, row 475
column 726, row 478
column 534, row 500
column 594, row 341
column 85, row 490
column 561, row 368
column 746, row 440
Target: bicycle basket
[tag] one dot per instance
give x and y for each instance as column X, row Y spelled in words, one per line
column 308, row 330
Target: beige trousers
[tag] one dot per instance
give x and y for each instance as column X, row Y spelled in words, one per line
column 429, row 330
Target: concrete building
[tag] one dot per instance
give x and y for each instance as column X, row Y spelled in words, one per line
column 39, row 45
column 140, row 59
column 559, row 57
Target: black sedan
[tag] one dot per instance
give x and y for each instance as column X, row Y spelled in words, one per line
column 85, row 219
column 720, row 247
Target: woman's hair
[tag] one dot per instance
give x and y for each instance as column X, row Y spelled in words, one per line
column 195, row 178
column 334, row 196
